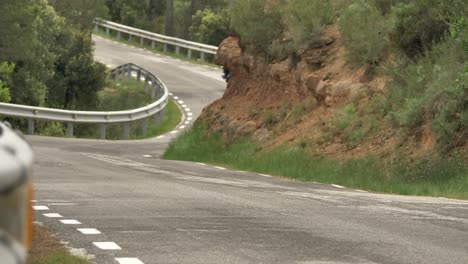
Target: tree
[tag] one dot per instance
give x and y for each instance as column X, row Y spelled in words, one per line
column 169, row 18
column 80, row 13
column 5, row 72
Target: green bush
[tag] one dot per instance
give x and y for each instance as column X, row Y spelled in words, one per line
column 209, row 27
column 434, row 93
column 257, row 25
column 305, row 20
column 417, row 26
column 365, row 33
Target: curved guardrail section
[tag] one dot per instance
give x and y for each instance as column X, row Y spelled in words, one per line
column 158, row 38
column 158, row 91
column 16, row 159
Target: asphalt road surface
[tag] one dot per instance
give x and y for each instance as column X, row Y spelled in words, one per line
column 148, row 210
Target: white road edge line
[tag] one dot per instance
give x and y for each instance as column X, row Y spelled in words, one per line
column 220, row 168
column 202, row 164
column 129, row 261
column 89, row 231
column 53, row 215
column 338, row 186
column 70, row 222
column 40, row 208
column 107, row 245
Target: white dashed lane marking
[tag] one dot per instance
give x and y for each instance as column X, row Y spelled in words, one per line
column 189, row 114
column 187, row 109
column 175, row 131
column 70, row 222
column 220, row 168
column 107, row 245
column 128, row 261
column 264, row 175
column 175, row 97
column 147, row 156
column 89, row 231
column 180, row 102
column 160, row 137
column 190, row 118
column 53, row 215
column 181, row 127
column 40, row 208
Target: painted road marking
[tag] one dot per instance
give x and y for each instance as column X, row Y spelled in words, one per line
column 181, row 127
column 190, row 118
column 89, row 231
column 265, row 175
column 53, row 215
column 187, row 109
column 40, row 208
column 187, row 122
column 180, row 102
column 171, row 94
column 160, row 137
column 128, row 261
column 33, row 201
column 184, row 105
column 107, row 245
column 175, row 97
column 199, row 163
column 147, row 156
column 189, row 114
column 70, row 222
column 220, row 168
column 338, row 186
column 175, row 131
column 61, row 203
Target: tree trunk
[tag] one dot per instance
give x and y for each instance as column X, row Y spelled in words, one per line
column 153, row 9
column 194, row 7
column 170, row 17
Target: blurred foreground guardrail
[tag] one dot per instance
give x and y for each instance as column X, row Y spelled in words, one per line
column 155, row 110
column 16, row 159
column 153, row 38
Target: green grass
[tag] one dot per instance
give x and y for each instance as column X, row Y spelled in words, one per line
column 60, row 258
column 135, row 42
column 443, row 177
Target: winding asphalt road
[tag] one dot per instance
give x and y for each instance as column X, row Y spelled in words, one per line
column 156, row 211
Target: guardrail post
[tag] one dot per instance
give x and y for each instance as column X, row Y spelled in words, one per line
column 119, row 35
column 30, row 126
column 145, row 126
column 152, row 44
column 107, row 31
column 154, row 86
column 116, row 74
column 103, row 131
column 161, row 115
column 189, row 53
column 126, row 128
column 165, row 47
column 202, row 56
column 146, row 84
column 138, row 75
column 177, row 50
column 142, row 41
column 70, row 129
column 129, row 71
column 130, row 37
column 96, row 28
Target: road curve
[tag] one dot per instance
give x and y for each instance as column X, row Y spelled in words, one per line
column 158, row 211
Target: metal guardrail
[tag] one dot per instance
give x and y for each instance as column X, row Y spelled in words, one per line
column 156, row 38
column 156, row 109
column 16, row 160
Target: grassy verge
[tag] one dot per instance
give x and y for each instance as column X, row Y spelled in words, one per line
column 48, row 250
column 430, row 177
column 158, row 49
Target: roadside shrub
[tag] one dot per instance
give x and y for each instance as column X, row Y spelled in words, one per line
column 256, row 24
column 365, row 33
column 417, row 26
column 53, row 129
column 209, row 27
column 305, row 20
column 434, row 92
